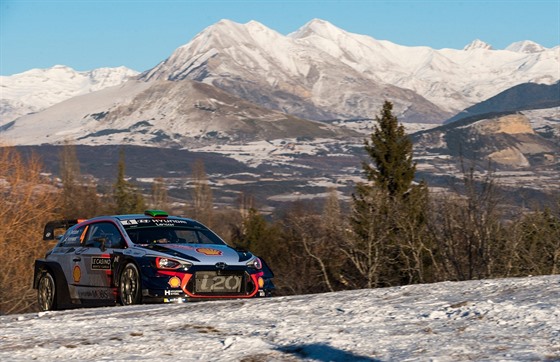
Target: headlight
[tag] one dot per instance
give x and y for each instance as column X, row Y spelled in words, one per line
column 166, row 263
column 255, row 263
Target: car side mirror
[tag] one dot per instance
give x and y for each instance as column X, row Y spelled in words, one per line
column 102, row 241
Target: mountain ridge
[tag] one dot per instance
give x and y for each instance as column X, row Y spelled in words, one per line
column 313, row 59
column 296, row 73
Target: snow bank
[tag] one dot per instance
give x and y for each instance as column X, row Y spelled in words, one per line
column 506, row 319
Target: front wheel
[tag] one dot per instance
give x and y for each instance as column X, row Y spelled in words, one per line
column 129, row 285
column 46, row 292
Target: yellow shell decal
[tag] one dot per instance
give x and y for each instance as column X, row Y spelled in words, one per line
column 209, row 251
column 77, row 274
column 174, row 282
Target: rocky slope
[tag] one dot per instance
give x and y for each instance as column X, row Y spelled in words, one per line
column 506, row 141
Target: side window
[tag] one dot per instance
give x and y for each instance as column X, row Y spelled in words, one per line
column 74, row 236
column 104, row 231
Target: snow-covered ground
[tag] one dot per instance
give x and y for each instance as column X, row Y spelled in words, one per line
column 486, row 320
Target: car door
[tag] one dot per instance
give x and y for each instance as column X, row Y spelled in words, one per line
column 95, row 260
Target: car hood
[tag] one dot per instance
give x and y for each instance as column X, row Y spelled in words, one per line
column 202, row 253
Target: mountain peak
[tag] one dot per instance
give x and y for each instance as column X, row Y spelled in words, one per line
column 526, row 46
column 478, row 44
column 318, row 27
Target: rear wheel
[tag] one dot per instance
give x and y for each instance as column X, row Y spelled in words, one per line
column 46, row 292
column 129, row 285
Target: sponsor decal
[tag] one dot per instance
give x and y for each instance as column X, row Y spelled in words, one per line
column 172, row 292
column 129, row 222
column 186, row 247
column 100, row 263
column 95, row 293
column 77, row 274
column 209, row 251
column 174, row 282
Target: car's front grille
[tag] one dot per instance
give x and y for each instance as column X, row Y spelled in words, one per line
column 220, row 283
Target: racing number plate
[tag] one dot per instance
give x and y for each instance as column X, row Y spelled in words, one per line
column 212, row 282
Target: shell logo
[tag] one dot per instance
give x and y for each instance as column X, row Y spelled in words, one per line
column 77, row 274
column 174, row 282
column 209, row 251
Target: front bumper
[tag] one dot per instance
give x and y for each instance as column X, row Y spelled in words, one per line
column 203, row 284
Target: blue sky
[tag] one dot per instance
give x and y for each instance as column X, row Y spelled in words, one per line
column 139, row 34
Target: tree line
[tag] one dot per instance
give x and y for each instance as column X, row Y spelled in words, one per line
column 394, row 231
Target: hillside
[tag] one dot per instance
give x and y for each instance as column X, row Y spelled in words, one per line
column 518, row 98
column 503, row 319
column 161, row 113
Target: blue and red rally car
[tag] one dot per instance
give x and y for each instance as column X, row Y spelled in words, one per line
column 144, row 258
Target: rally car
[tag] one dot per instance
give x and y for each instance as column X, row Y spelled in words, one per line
column 143, row 258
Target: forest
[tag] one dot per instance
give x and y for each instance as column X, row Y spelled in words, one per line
column 394, row 231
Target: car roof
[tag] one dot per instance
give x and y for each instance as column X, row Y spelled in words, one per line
column 149, row 214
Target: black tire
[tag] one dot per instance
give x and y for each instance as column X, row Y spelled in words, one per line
column 46, row 292
column 130, row 289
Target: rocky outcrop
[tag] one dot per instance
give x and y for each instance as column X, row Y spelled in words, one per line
column 506, row 141
column 510, row 124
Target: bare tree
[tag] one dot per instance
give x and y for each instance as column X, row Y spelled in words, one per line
column 203, row 204
column 159, row 199
column 79, row 195
column 468, row 229
column 27, row 201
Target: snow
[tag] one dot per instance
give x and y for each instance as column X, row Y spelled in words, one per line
column 498, row 320
column 37, row 89
column 526, row 46
column 478, row 44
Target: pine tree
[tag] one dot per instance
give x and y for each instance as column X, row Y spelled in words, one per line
column 390, row 150
column 388, row 211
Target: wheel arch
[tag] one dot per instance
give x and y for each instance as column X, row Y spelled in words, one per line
column 62, row 294
column 120, row 265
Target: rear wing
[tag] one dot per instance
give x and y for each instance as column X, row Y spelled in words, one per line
column 55, row 229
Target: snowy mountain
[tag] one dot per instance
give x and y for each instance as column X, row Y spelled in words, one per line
column 526, row 46
column 282, row 73
column 483, row 320
column 298, row 72
column 37, row 89
column 478, row 44
column 162, row 113
column 249, row 93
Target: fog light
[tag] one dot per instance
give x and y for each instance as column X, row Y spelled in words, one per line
column 261, row 282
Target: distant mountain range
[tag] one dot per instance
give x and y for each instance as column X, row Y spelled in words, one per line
column 296, row 74
column 287, row 104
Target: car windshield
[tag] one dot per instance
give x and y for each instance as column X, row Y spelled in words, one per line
column 172, row 235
